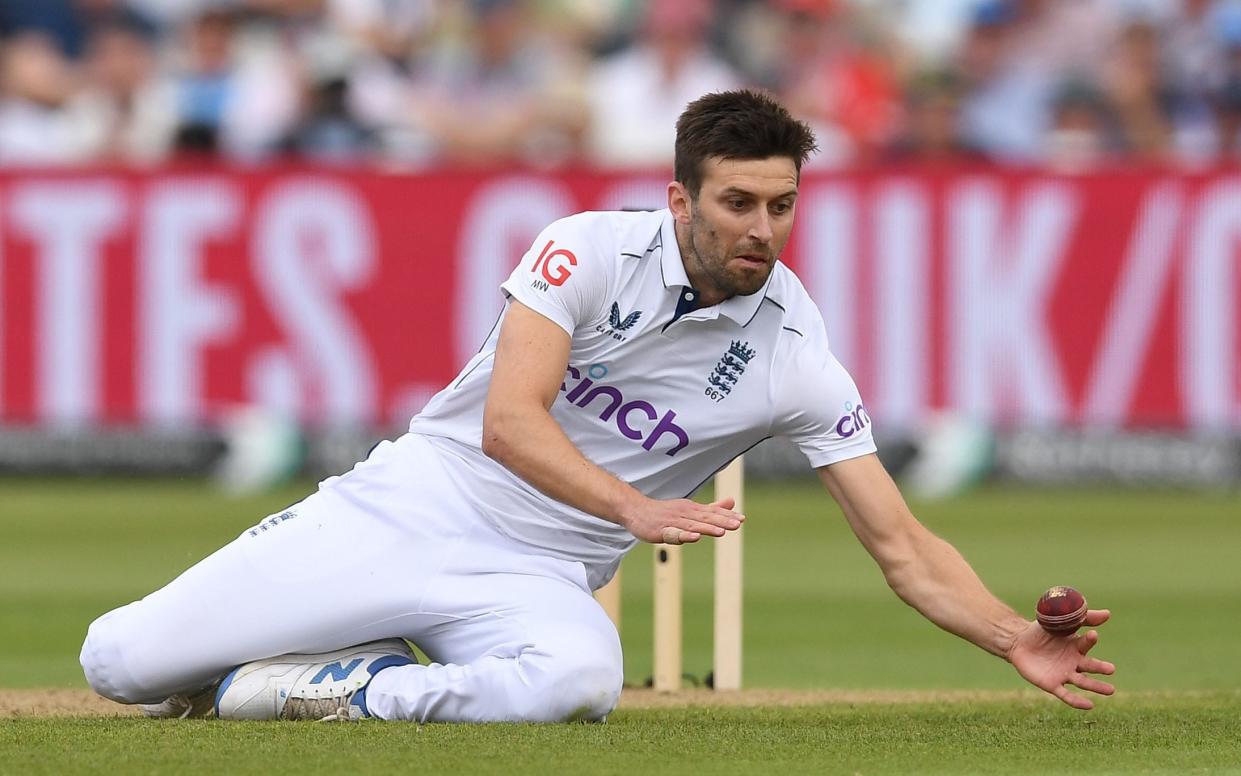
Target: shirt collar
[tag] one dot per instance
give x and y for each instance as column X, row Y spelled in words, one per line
column 670, row 262
column 741, row 309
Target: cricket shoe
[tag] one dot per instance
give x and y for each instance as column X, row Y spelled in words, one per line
column 326, row 687
column 183, row 705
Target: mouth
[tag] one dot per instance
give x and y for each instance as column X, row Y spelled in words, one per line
column 754, row 260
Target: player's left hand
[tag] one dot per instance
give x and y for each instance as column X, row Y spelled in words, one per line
column 1051, row 663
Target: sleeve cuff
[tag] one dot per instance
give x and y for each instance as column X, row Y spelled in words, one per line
column 858, row 449
column 540, row 305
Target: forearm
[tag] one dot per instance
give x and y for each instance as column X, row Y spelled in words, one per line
column 520, row 433
column 925, row 571
column 937, row 581
column 532, row 445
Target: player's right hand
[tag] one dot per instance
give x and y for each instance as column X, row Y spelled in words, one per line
column 681, row 521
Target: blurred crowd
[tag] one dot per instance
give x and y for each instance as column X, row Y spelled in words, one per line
column 1071, row 84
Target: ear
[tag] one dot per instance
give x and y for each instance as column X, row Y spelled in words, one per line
column 680, row 203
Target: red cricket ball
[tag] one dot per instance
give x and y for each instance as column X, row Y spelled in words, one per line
column 1061, row 610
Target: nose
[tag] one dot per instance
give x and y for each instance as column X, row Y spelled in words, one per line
column 760, row 228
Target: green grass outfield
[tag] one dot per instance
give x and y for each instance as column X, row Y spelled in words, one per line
column 818, row 615
column 1170, row 735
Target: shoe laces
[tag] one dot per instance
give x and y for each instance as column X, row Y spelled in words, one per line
column 184, row 705
column 330, row 709
column 174, row 704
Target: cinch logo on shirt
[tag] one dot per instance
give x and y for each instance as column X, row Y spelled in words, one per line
column 854, row 420
column 624, row 413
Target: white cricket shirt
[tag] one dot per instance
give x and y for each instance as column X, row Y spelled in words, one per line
column 658, row 391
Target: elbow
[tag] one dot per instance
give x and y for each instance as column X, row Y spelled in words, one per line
column 497, row 434
column 510, row 430
column 494, row 445
column 913, row 567
column 901, row 567
column 900, row 576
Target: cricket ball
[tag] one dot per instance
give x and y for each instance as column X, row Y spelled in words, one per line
column 1061, row 610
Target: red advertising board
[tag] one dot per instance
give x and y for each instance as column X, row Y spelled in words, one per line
column 168, row 297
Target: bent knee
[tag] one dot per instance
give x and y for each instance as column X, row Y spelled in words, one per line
column 103, row 662
column 598, row 690
column 582, row 689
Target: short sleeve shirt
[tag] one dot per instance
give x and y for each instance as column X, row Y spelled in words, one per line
column 658, row 390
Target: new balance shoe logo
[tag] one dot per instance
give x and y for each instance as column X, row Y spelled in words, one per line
column 337, row 671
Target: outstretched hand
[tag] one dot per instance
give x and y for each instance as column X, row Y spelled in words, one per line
column 1051, row 663
column 681, row 521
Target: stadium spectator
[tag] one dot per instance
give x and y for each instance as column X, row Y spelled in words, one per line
column 636, row 95
column 1226, row 101
column 1194, row 47
column 930, row 29
column 547, row 82
column 168, row 16
column 63, row 22
column 1080, row 138
column 1136, row 92
column 126, row 109
column 1195, row 51
column 495, row 93
column 1066, row 39
column 388, row 28
column 931, row 132
column 327, row 131
column 1006, row 110
column 35, row 86
column 838, row 80
column 232, row 98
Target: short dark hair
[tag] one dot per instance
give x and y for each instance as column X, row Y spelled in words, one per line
column 741, row 124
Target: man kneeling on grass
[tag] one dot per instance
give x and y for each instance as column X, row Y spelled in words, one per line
column 637, row 354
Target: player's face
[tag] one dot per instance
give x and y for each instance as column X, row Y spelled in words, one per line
column 734, row 230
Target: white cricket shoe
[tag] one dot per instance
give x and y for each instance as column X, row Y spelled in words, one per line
column 196, row 705
column 328, row 686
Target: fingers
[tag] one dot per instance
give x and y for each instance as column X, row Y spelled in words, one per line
column 1096, row 617
column 1087, row 640
column 717, row 514
column 674, row 535
column 682, row 521
column 710, row 519
column 1095, row 666
column 1090, row 684
column 1072, row 698
column 725, row 503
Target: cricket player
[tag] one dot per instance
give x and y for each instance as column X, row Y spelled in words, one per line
column 637, row 354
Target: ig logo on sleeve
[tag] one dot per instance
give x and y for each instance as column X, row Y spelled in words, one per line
column 554, row 266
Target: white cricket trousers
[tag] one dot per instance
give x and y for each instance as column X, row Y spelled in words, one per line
column 512, row 635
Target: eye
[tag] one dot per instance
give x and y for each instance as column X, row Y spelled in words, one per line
column 780, row 208
column 736, row 203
